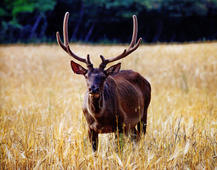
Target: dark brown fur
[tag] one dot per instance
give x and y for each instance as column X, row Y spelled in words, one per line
column 125, row 97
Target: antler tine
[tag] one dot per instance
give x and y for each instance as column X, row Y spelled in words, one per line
column 65, row 29
column 135, row 31
column 132, row 47
column 65, row 46
column 60, row 42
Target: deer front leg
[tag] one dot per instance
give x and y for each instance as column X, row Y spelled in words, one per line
column 93, row 137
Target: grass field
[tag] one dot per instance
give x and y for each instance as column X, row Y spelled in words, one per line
column 42, row 125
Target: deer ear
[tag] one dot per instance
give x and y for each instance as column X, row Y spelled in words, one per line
column 77, row 68
column 113, row 69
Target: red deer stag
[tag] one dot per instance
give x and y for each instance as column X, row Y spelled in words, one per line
column 115, row 100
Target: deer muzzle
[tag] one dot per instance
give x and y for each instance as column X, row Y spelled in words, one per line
column 94, row 91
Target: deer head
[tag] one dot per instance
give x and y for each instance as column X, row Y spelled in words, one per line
column 95, row 77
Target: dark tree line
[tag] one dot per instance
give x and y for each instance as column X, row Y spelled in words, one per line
column 108, row 20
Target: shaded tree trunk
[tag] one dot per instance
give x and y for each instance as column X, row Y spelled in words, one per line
column 35, row 26
column 159, row 26
column 89, row 33
column 81, row 14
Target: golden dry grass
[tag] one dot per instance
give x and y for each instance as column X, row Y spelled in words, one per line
column 42, row 124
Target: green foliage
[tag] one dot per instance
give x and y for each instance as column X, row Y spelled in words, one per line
column 23, row 20
column 14, row 13
column 28, row 6
column 2, row 12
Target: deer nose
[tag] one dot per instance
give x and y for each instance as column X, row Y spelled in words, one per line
column 94, row 89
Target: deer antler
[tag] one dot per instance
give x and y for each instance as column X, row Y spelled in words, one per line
column 132, row 47
column 65, row 45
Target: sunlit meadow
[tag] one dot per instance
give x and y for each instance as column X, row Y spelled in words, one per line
column 42, row 125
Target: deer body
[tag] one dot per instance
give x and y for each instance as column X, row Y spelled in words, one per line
column 120, row 99
column 122, row 105
column 115, row 100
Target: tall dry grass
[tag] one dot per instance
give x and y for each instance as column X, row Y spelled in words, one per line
column 42, row 124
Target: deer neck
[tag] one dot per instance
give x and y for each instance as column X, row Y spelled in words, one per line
column 95, row 104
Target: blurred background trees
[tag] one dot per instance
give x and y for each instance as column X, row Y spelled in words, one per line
column 108, row 20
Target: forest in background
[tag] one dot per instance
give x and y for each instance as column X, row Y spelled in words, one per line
column 108, row 21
